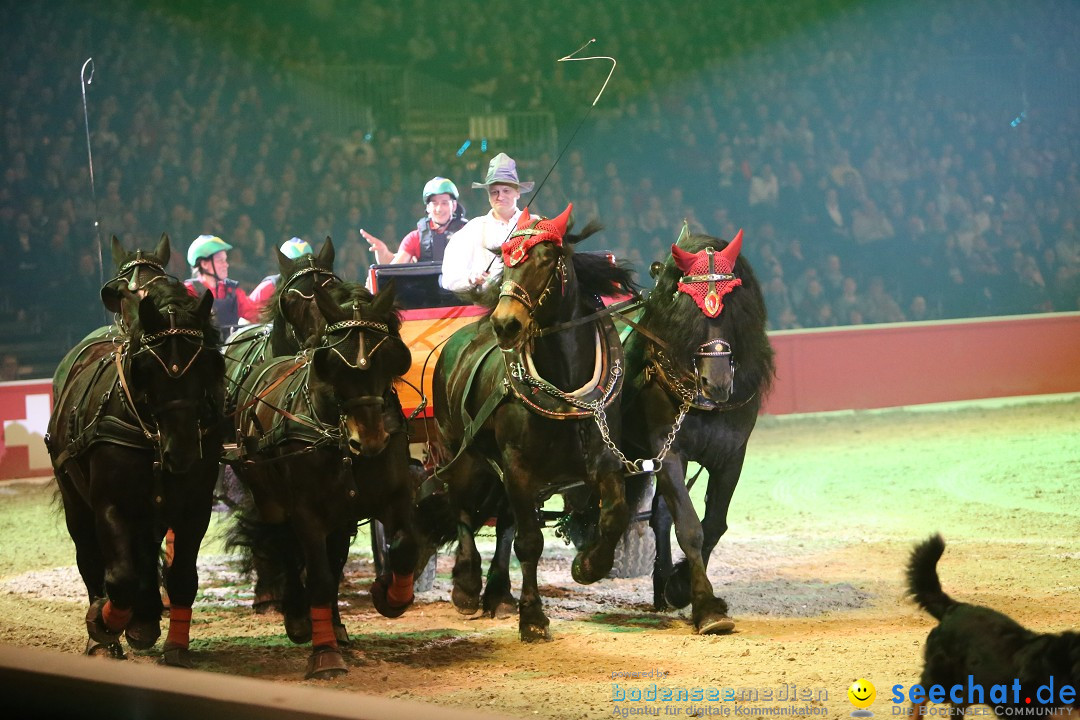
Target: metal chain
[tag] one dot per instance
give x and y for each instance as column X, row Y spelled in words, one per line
column 644, row 464
column 600, row 418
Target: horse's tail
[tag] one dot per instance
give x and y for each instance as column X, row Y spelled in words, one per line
column 265, row 549
column 436, row 520
column 923, row 583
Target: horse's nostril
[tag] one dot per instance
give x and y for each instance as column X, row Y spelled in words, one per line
column 355, row 446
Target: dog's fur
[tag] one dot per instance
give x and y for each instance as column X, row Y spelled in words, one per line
column 986, row 644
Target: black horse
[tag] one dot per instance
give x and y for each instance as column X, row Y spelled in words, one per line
column 523, row 400
column 134, row 437
column 698, row 366
column 323, row 444
column 291, row 322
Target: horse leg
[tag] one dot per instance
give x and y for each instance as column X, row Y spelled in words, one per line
column 145, row 626
column 109, row 616
column 392, row 593
column 723, row 476
column 593, row 562
column 182, row 580
column 528, row 545
column 499, row 602
column 709, row 612
column 325, row 661
column 466, row 572
column 338, row 553
column 660, row 522
column 80, row 525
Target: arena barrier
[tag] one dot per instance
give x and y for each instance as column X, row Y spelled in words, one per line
column 45, row 683
column 877, row 366
column 849, row 368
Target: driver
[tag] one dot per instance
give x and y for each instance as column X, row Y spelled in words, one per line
column 208, row 257
column 433, row 231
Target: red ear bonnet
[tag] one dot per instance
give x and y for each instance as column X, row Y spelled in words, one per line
column 529, row 232
column 708, row 275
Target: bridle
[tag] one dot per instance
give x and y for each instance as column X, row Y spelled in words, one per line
column 287, row 288
column 138, row 267
column 362, row 361
column 152, row 345
column 514, row 290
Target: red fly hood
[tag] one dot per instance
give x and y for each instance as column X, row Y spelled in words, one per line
column 708, row 275
column 531, row 231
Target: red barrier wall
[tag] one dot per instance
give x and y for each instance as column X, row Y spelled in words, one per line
column 816, row 370
column 914, row 363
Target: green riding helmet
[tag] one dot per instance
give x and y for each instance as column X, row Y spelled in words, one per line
column 205, row 246
column 438, row 186
column 295, row 248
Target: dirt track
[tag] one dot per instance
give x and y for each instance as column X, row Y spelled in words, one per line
column 822, row 521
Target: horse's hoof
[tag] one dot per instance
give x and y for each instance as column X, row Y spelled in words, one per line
column 177, row 656
column 265, row 605
column 465, row 603
column 531, row 633
column 142, row 634
column 677, row 591
column 382, row 603
column 716, row 625
column 95, row 625
column 342, row 635
column 113, row 650
column 298, row 628
column 503, row 609
column 579, row 572
column 325, row 663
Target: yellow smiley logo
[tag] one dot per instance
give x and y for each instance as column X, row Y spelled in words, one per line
column 862, row 693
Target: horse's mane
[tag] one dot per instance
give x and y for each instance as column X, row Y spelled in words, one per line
column 346, row 292
column 674, row 317
column 171, row 293
column 596, row 275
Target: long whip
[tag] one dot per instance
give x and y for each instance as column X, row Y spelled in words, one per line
column 86, row 80
column 568, row 58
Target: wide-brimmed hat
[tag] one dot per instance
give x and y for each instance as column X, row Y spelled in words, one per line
column 503, row 169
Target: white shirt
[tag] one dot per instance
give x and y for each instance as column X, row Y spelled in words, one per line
column 474, row 250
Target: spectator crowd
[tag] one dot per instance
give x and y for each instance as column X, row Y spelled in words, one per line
column 888, row 161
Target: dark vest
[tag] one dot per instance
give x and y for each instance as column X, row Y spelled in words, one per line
column 433, row 244
column 227, row 308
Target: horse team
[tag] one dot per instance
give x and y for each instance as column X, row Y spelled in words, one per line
column 541, row 396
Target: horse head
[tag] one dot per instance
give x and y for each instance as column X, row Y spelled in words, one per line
column 360, row 356
column 135, row 270
column 292, row 307
column 706, row 273
column 175, row 372
column 536, row 275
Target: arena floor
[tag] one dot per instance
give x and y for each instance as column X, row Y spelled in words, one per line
column 825, row 514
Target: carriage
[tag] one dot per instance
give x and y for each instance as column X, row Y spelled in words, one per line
column 548, row 331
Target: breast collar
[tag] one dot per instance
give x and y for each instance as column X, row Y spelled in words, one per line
column 543, row 398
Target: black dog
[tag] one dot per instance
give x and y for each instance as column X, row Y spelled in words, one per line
column 992, row 648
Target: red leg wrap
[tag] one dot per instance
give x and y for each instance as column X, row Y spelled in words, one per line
column 322, row 627
column 179, row 627
column 115, row 619
column 400, row 591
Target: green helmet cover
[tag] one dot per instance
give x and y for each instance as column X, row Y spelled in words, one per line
column 438, row 186
column 295, row 248
column 205, row 246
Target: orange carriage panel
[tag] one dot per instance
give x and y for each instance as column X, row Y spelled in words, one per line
column 424, row 331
